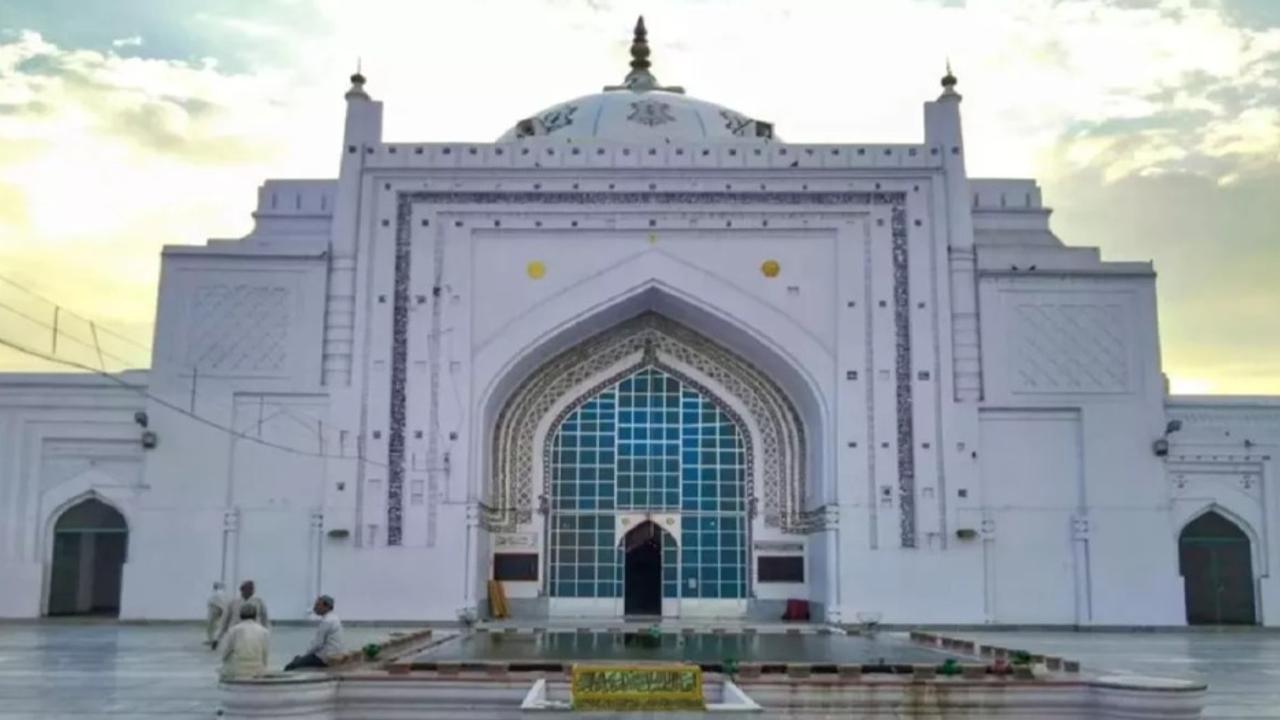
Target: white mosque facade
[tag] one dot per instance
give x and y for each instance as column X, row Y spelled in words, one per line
column 640, row 356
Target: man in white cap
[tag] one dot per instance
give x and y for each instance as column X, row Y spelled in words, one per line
column 327, row 644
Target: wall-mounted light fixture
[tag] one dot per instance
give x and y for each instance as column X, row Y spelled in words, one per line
column 1161, row 446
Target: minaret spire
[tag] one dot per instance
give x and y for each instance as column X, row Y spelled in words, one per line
column 357, row 84
column 949, row 83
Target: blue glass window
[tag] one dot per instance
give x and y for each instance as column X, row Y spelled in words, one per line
column 651, row 443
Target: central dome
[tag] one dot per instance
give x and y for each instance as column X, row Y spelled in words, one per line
column 643, row 117
column 640, row 111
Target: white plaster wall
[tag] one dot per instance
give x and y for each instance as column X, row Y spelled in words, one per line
column 803, row 291
column 1032, row 488
column 1082, row 338
column 236, row 404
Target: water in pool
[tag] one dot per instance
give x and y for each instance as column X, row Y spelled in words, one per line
column 703, row 649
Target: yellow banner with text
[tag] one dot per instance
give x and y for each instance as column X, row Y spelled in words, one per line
column 670, row 686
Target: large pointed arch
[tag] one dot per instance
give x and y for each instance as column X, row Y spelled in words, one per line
column 780, row 455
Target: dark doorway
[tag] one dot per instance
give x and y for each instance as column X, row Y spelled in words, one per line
column 90, row 540
column 1216, row 563
column 643, row 579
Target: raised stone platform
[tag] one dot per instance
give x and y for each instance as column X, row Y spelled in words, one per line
column 916, row 678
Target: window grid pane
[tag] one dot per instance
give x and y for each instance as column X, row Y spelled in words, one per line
column 648, row 443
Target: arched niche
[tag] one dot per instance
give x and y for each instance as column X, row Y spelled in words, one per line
column 1215, row 559
column 89, row 549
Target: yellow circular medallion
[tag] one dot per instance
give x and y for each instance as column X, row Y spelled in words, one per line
column 536, row 269
column 770, row 268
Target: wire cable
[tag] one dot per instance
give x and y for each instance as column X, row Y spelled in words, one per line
column 63, row 333
column 100, row 326
column 179, row 409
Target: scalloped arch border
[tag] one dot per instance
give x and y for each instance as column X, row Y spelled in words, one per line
column 781, row 471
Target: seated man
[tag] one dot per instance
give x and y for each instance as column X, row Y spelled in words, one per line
column 244, row 649
column 328, row 640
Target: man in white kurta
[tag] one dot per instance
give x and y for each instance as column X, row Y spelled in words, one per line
column 217, row 608
column 244, row 649
column 327, row 644
column 232, row 615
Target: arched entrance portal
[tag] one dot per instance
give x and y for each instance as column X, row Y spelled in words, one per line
column 643, row 549
column 648, row 444
column 90, row 540
column 1216, row 563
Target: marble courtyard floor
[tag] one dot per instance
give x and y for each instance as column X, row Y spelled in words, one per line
column 86, row 669
column 1241, row 667
column 106, row 670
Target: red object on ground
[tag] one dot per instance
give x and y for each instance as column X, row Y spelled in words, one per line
column 797, row 610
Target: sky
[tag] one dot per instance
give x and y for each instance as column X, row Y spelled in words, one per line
column 1152, row 125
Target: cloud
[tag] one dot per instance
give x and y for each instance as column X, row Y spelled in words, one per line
column 1216, row 257
column 105, row 158
column 132, row 41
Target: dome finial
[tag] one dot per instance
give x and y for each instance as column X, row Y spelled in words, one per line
column 640, row 47
column 640, row 79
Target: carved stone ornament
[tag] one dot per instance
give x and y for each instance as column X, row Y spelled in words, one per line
column 651, row 113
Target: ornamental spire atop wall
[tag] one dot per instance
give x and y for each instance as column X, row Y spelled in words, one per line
column 949, row 84
column 640, row 79
column 357, row 85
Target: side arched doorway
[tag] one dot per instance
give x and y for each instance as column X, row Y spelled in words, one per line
column 1216, row 563
column 90, row 540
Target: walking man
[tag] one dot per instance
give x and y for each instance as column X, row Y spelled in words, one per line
column 328, row 640
column 217, row 607
column 244, row 653
column 233, row 610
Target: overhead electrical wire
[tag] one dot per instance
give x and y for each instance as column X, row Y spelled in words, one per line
column 64, row 334
column 179, row 409
column 62, row 309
